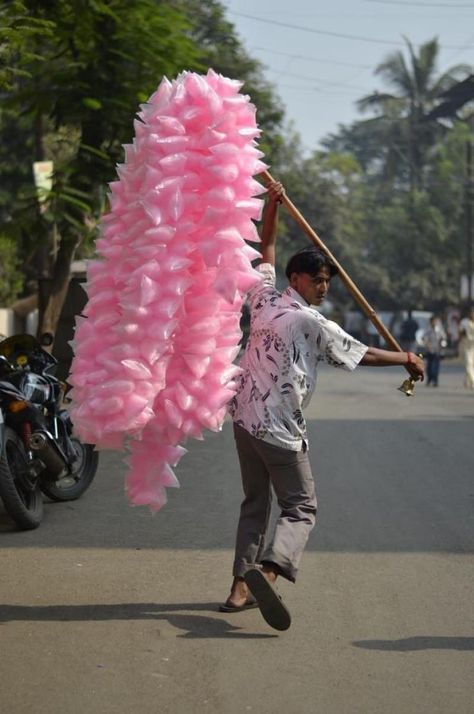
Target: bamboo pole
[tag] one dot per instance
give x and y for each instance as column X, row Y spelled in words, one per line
column 351, row 286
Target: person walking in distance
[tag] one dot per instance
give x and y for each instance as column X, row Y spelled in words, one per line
column 288, row 338
column 433, row 339
column 467, row 347
column 408, row 333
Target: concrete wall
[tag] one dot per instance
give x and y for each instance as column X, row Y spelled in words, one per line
column 10, row 324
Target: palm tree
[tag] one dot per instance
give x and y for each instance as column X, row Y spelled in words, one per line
column 404, row 115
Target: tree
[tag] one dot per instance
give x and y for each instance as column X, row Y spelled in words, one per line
column 454, row 99
column 11, row 278
column 84, row 79
column 72, row 93
column 15, row 27
column 403, row 116
column 411, row 192
column 328, row 188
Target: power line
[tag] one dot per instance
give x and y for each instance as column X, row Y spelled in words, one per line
column 349, row 91
column 317, row 80
column 320, row 90
column 340, row 35
column 313, row 30
column 307, row 58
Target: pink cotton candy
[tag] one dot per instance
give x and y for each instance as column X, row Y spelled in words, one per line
column 154, row 350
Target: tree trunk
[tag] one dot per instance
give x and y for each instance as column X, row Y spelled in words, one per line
column 54, row 294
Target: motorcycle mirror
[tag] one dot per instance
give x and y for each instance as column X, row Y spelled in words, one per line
column 4, row 362
column 46, row 339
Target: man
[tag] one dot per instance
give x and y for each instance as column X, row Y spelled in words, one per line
column 433, row 339
column 408, row 333
column 288, row 338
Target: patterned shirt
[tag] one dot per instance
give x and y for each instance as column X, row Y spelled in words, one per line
column 288, row 339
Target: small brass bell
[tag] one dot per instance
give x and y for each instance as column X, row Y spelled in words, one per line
column 407, row 387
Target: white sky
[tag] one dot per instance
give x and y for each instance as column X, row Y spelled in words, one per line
column 320, row 76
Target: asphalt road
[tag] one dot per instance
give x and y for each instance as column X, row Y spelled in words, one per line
column 106, row 609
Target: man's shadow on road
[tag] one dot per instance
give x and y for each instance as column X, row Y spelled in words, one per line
column 422, row 642
column 195, row 626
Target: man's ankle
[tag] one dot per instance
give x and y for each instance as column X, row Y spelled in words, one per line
column 271, row 571
column 239, row 588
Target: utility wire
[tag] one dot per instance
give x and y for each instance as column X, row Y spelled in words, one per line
column 341, row 35
column 317, row 80
column 349, row 93
column 267, row 21
column 307, row 58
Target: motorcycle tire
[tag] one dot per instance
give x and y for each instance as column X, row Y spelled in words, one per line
column 22, row 503
column 75, row 484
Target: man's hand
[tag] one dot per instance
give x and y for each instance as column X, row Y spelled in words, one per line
column 415, row 367
column 276, row 192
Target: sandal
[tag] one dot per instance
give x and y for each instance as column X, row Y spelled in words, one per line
column 272, row 607
column 248, row 605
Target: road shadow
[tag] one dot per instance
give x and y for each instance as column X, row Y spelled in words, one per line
column 194, row 626
column 422, row 642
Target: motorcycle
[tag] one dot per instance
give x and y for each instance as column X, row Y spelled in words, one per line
column 39, row 452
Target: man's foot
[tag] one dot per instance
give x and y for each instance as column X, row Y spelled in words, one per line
column 239, row 599
column 272, row 607
column 228, row 606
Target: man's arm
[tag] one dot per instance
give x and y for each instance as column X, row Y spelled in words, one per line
column 270, row 221
column 385, row 358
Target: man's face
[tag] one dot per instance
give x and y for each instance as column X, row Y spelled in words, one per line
column 312, row 288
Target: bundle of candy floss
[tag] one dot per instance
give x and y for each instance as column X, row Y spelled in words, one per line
column 154, row 348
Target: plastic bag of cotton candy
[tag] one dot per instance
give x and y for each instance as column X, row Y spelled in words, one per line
column 154, row 347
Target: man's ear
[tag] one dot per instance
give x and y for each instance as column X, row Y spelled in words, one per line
column 293, row 279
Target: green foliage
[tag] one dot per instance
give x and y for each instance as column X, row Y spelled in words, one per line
column 11, row 277
column 410, row 208
column 74, row 74
column 403, row 117
column 408, row 239
column 17, row 30
column 77, row 72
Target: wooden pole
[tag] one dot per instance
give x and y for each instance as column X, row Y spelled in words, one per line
column 351, row 286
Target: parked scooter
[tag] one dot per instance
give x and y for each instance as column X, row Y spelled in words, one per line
column 39, row 452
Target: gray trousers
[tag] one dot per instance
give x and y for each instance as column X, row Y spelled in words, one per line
column 264, row 466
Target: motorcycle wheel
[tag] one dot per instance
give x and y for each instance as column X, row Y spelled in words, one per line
column 76, row 483
column 20, row 495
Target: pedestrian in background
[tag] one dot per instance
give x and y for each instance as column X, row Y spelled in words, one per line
column 467, row 347
column 433, row 339
column 408, row 333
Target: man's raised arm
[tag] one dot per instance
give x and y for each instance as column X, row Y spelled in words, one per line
column 270, row 221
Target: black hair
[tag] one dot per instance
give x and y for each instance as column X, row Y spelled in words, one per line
column 310, row 260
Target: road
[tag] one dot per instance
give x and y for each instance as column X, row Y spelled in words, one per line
column 106, row 609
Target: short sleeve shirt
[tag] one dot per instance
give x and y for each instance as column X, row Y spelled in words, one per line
column 288, row 339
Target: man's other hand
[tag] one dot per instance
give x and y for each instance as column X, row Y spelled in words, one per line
column 276, row 192
column 415, row 367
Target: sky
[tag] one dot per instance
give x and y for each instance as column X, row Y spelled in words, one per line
column 320, row 55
